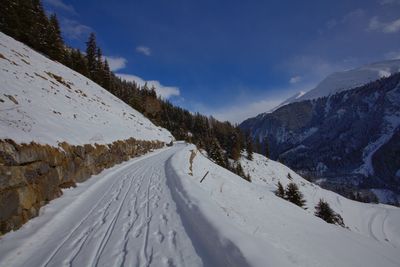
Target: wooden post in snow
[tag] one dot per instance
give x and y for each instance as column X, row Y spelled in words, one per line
column 203, row 177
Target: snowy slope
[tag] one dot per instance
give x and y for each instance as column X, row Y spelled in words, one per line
column 269, row 231
column 345, row 80
column 377, row 221
column 46, row 102
column 151, row 212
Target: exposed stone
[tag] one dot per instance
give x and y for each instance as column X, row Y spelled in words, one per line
column 32, row 174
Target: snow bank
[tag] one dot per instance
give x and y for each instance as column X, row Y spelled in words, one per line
column 269, row 231
column 46, row 102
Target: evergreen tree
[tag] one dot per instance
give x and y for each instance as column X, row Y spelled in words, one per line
column 266, row 146
column 216, row 153
column 235, row 151
column 289, row 176
column 91, row 50
column 107, row 76
column 99, row 74
column 55, row 44
column 249, row 147
column 324, row 211
column 280, row 191
column 39, row 34
column 294, row 195
column 10, row 19
column 239, row 170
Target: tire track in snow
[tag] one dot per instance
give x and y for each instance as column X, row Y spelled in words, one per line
column 78, row 225
column 103, row 210
column 116, row 223
column 111, row 227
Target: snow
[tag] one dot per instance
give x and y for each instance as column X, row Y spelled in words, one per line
column 376, row 221
column 124, row 216
column 151, row 212
column 37, row 105
column 270, row 231
column 346, row 80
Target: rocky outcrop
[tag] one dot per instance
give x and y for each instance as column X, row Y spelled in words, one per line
column 33, row 174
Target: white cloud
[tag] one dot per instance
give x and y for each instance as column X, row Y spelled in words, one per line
column 393, row 55
column 61, row 5
column 143, row 50
column 116, row 63
column 387, row 27
column 348, row 18
column 295, row 79
column 238, row 113
column 161, row 90
column 73, row 29
column 313, row 68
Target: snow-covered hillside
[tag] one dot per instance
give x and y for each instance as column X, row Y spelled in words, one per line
column 46, row 102
column 266, row 230
column 154, row 211
column 345, row 80
column 377, row 221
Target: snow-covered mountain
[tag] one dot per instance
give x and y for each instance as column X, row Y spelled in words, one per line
column 349, row 140
column 345, row 80
column 46, row 102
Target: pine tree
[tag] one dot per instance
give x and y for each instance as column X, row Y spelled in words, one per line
column 107, row 76
column 249, row 147
column 235, row 151
column 266, row 146
column 55, row 45
column 324, row 211
column 239, row 170
column 39, row 34
column 10, row 19
column 99, row 75
column 294, row 195
column 216, row 153
column 91, row 50
column 280, row 191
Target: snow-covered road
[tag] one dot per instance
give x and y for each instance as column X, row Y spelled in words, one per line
column 123, row 217
column 153, row 211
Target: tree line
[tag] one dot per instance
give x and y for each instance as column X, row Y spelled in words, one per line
column 26, row 21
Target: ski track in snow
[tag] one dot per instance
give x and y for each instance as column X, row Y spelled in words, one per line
column 134, row 223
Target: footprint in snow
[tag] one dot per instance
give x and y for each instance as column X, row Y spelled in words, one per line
column 172, row 238
column 164, row 219
column 168, row 262
column 159, row 236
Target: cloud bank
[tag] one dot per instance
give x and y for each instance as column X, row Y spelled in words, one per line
column 116, row 63
column 143, row 50
column 164, row 92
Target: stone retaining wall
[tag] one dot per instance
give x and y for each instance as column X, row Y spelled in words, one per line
column 32, row 174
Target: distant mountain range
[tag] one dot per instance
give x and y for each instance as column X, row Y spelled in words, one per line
column 346, row 80
column 344, row 133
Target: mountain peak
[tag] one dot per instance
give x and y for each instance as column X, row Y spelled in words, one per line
column 346, row 80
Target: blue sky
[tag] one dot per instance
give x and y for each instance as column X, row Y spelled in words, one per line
column 233, row 59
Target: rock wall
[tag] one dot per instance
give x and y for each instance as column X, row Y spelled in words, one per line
column 32, row 174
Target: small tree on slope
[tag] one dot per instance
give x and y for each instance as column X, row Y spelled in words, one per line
column 324, row 211
column 280, row 191
column 294, row 195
